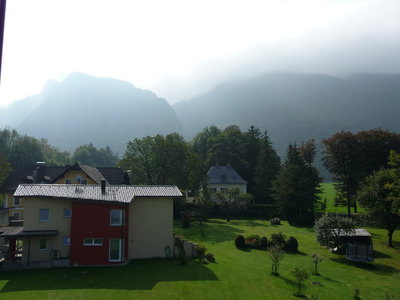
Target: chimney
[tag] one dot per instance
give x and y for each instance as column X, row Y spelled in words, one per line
column 103, row 186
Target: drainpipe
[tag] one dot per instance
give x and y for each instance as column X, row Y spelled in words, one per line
column 29, row 249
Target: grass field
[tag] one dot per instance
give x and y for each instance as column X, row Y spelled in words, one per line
column 236, row 275
column 329, row 193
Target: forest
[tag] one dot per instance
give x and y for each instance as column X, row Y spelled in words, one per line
column 291, row 184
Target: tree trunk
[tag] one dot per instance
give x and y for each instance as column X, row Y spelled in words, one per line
column 348, row 208
column 390, row 237
column 355, row 206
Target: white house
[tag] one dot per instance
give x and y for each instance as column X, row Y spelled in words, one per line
column 223, row 178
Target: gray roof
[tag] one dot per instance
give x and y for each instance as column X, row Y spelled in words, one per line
column 224, row 175
column 90, row 171
column 114, row 193
column 47, row 174
column 18, row 231
column 354, row 232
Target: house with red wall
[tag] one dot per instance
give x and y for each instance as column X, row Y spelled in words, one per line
column 99, row 233
column 93, row 224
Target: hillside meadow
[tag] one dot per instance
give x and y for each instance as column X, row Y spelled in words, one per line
column 329, row 193
column 237, row 274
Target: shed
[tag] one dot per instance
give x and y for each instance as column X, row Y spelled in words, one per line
column 358, row 245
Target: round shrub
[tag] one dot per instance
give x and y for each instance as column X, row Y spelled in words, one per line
column 210, row 257
column 240, row 241
column 253, row 241
column 291, row 244
column 275, row 221
column 278, row 239
column 200, row 252
column 264, row 242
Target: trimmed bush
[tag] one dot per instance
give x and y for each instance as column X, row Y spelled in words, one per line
column 210, row 257
column 264, row 242
column 275, row 221
column 291, row 244
column 240, row 242
column 253, row 241
column 278, row 239
column 200, row 252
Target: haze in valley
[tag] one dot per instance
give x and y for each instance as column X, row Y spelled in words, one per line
column 180, row 49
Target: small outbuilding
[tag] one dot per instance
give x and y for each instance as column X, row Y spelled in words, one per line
column 357, row 244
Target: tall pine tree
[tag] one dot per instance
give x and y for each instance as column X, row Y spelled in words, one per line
column 296, row 189
column 265, row 171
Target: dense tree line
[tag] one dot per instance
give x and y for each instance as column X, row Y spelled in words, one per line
column 163, row 160
column 352, row 157
column 293, row 187
column 250, row 153
column 170, row 159
column 18, row 151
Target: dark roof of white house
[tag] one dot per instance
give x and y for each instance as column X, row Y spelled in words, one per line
column 224, row 174
column 114, row 193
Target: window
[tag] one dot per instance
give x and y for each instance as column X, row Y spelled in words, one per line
column 67, row 212
column 212, row 190
column 115, row 250
column 43, row 244
column 92, row 242
column 17, row 201
column 44, row 214
column 116, row 216
column 224, row 190
column 80, row 180
column 66, row 241
column 16, row 215
column 68, row 181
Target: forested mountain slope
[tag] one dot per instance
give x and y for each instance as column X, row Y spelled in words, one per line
column 296, row 107
column 83, row 109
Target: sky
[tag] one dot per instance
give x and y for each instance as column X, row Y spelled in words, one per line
column 182, row 48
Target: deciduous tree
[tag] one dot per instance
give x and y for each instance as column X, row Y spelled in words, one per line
column 351, row 157
column 380, row 195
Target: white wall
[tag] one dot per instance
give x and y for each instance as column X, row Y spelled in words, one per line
column 242, row 187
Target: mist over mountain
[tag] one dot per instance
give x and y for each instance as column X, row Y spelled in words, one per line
column 292, row 107
column 83, row 109
column 297, row 107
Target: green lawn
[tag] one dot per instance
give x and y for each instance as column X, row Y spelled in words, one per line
column 236, row 275
column 329, row 193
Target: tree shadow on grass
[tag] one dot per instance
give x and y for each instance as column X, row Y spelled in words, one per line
column 297, row 253
column 137, row 275
column 396, row 245
column 217, row 222
column 286, row 280
column 253, row 223
column 378, row 254
column 213, row 232
column 245, row 249
column 371, row 267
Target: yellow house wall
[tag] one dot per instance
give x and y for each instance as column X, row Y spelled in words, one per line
column 150, row 227
column 57, row 221
column 9, row 203
column 72, row 176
